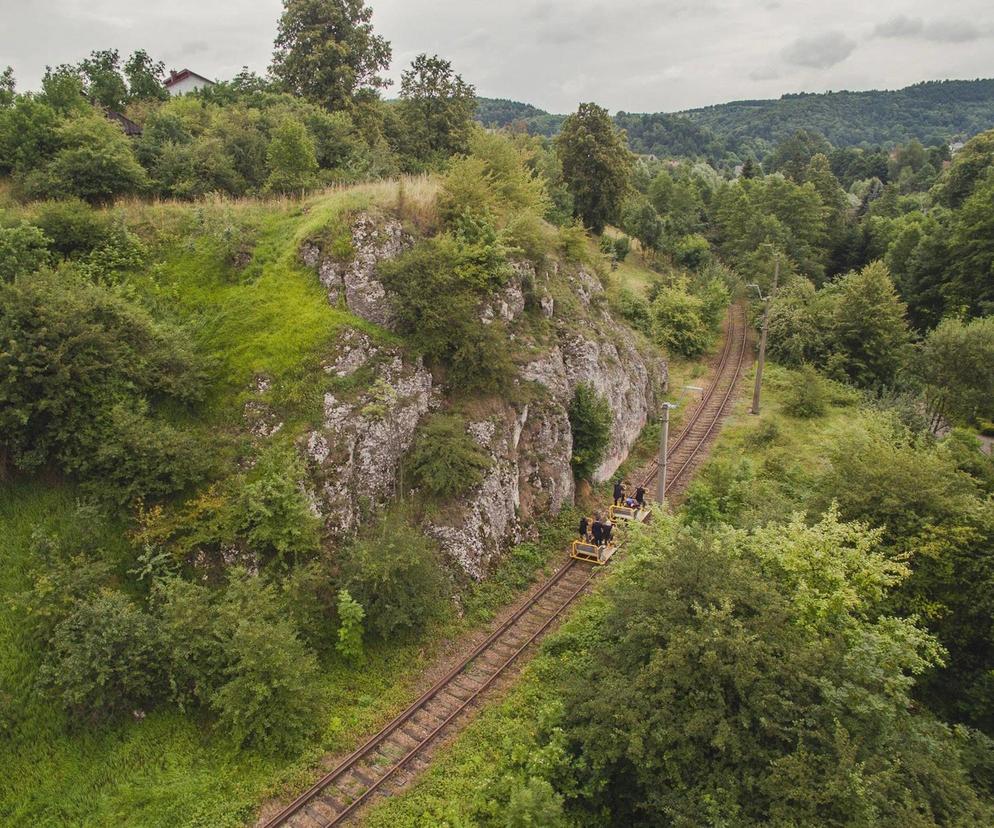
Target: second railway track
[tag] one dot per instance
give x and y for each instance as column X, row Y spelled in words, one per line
column 393, row 757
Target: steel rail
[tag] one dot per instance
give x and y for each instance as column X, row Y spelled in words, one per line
column 718, row 414
column 365, row 795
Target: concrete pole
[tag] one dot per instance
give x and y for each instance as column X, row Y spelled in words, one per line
column 762, row 338
column 663, row 442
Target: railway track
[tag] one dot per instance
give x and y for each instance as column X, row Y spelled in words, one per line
column 687, row 449
column 389, row 760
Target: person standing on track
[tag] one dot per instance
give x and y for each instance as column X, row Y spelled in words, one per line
column 608, row 528
column 640, row 496
column 597, row 530
column 619, row 492
column 583, row 527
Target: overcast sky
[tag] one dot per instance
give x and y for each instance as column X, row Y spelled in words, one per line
column 634, row 55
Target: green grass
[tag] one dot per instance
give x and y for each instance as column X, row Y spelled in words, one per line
column 272, row 317
column 169, row 769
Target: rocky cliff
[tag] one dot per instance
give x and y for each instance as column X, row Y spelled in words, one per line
column 357, row 452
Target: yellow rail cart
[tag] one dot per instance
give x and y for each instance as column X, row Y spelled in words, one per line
column 591, row 552
column 629, row 513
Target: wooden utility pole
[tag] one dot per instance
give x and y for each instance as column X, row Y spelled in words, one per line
column 762, row 336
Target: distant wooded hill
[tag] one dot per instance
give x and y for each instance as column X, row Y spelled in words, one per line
column 933, row 112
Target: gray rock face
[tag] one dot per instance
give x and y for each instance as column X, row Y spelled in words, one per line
column 530, row 475
column 356, row 454
column 617, row 370
column 532, row 446
column 374, row 239
column 509, row 304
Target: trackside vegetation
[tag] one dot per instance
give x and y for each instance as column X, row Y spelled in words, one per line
column 779, row 645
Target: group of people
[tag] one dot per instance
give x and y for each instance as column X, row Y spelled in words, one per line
column 635, row 500
column 596, row 531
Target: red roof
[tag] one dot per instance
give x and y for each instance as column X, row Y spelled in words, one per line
column 176, row 77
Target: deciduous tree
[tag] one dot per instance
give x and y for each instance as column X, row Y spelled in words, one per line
column 596, row 165
column 326, row 51
column 437, row 108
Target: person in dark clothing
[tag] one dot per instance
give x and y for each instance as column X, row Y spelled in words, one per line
column 583, row 527
column 619, row 493
column 640, row 496
column 606, row 533
column 597, row 530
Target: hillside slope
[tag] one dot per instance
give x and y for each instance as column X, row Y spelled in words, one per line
column 309, row 402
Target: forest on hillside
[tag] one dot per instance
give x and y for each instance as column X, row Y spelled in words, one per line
column 205, row 326
column 932, row 112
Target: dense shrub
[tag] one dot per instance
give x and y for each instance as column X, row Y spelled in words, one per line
column 70, row 572
column 273, row 514
column 127, row 455
column 692, row 251
column 438, row 288
column 678, row 321
column 103, row 659
column 23, row 250
column 350, row 618
column 237, row 650
column 269, row 698
column 119, row 251
column 263, row 514
column 94, row 162
column 939, row 516
column 396, row 577
column 291, row 159
column 590, row 420
column 78, row 362
column 774, row 643
column 192, row 655
column 634, row 308
column 713, row 292
column 854, row 328
column 28, row 135
column 806, row 395
column 956, row 367
column 444, row 459
column 72, row 225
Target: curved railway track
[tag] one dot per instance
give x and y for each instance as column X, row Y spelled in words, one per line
column 393, row 757
column 687, row 448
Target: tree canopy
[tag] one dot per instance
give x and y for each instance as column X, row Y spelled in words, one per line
column 596, row 165
column 327, row 53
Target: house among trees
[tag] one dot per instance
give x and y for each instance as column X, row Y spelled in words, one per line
column 179, row 83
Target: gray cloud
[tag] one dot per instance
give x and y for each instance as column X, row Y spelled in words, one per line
column 900, row 26
column 821, row 51
column 764, row 73
column 945, row 30
column 193, row 47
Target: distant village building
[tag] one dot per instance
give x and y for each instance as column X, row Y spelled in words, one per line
column 179, row 83
column 955, row 147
